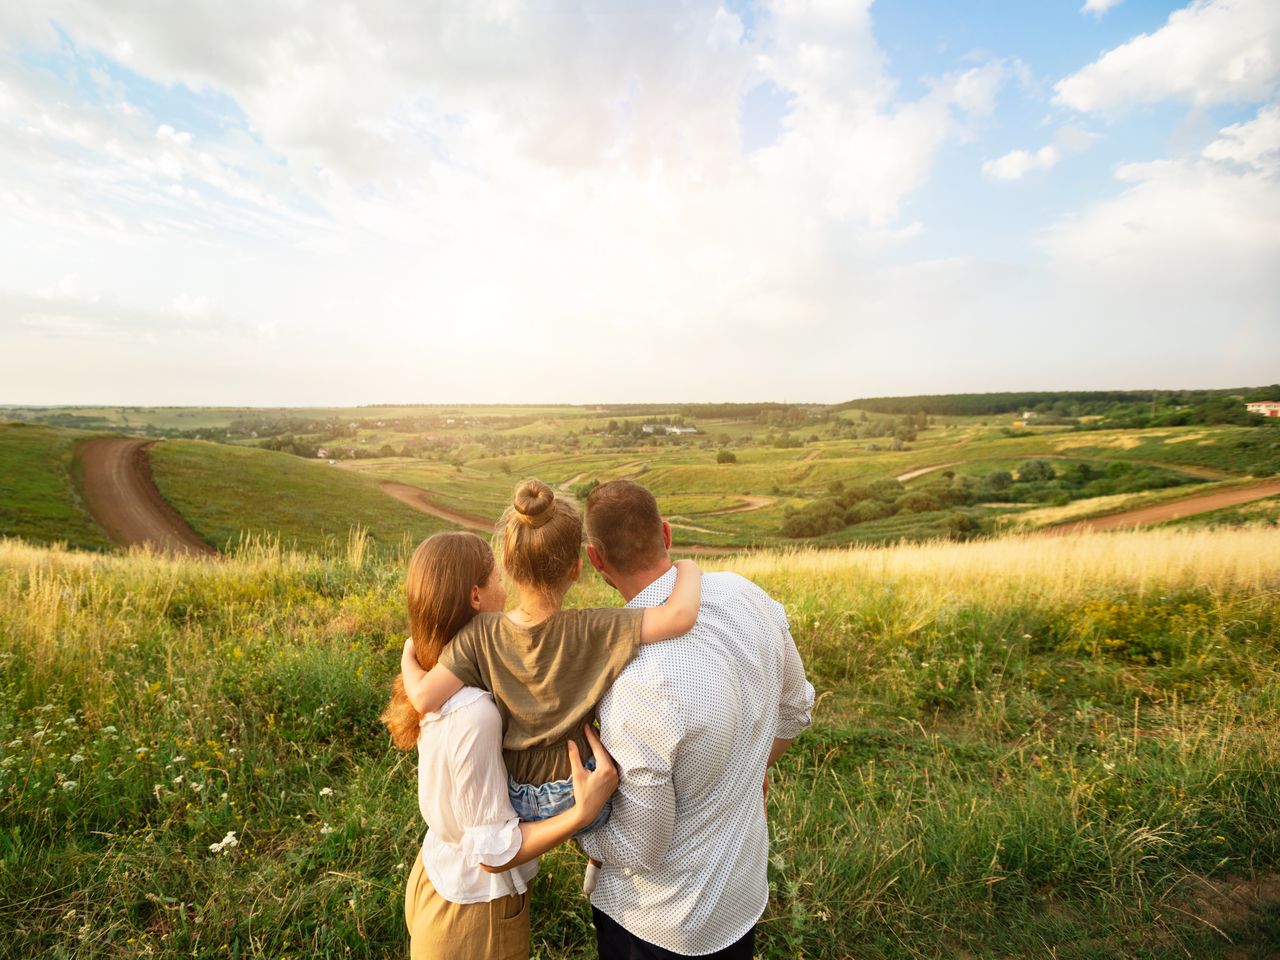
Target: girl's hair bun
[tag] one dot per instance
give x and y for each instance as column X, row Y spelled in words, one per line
column 533, row 503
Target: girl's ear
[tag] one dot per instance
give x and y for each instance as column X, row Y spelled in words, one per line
column 475, row 598
column 577, row 569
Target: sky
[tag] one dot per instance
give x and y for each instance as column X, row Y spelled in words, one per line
column 498, row 201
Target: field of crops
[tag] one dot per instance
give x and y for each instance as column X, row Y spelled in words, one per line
column 1025, row 748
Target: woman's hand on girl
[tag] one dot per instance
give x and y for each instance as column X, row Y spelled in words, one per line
column 591, row 788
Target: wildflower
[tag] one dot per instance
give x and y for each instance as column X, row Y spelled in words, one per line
column 14, row 743
column 140, row 751
column 226, row 843
column 326, row 792
column 109, row 729
column 178, row 759
column 197, row 787
column 177, row 779
column 326, row 829
column 77, row 758
column 69, row 785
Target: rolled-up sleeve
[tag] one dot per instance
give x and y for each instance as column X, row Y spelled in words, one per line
column 642, row 734
column 490, row 829
column 795, row 705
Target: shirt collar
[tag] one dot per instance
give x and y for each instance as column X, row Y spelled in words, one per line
column 656, row 593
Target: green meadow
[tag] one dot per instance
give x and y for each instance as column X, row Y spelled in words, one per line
column 1021, row 748
column 38, row 495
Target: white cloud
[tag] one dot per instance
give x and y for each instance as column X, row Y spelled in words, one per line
column 1015, row 164
column 1212, row 51
column 1098, row 7
column 1191, row 243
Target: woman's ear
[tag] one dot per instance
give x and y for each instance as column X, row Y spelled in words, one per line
column 577, row 569
column 475, row 598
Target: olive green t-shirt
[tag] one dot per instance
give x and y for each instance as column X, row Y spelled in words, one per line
column 545, row 679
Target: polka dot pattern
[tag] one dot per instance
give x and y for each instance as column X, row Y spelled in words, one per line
column 690, row 723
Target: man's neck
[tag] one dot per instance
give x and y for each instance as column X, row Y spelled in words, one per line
column 632, row 584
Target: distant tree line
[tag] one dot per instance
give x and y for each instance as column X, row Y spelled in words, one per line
column 1193, row 406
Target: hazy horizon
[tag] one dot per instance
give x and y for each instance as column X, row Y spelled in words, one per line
column 501, row 203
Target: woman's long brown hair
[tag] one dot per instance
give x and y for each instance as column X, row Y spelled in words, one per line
column 438, row 586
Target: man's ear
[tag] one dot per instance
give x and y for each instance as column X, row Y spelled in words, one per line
column 666, row 534
column 595, row 556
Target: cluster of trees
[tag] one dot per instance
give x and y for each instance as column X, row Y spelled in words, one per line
column 1168, row 412
column 1034, row 481
column 1039, row 481
column 897, row 430
column 848, row 506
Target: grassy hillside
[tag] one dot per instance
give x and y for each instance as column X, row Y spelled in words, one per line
column 225, row 492
column 38, row 499
column 1018, row 745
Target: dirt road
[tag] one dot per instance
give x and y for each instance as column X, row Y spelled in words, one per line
column 749, row 503
column 421, row 500
column 1173, row 510
column 921, row 471
column 124, row 501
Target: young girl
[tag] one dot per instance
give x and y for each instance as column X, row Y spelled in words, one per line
column 467, row 895
column 546, row 667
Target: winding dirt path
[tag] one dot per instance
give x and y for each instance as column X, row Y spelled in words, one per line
column 921, row 471
column 421, row 501
column 123, row 499
column 1172, row 510
column 749, row 503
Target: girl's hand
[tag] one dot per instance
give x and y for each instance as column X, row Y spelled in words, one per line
column 591, row 788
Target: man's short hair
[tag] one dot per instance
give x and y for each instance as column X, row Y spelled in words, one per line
column 625, row 525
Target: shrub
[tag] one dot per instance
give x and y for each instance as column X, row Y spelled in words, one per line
column 998, row 480
column 1036, row 471
column 726, row 456
column 917, row 503
column 868, row 510
column 815, row 519
column 961, row 526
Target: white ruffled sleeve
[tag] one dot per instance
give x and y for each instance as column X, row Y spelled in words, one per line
column 491, row 844
column 490, row 829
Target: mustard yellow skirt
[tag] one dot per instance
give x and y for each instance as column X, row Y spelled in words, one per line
column 441, row 930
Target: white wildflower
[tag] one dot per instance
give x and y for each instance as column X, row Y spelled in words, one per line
column 226, row 843
column 326, row 792
column 77, row 758
column 69, row 785
column 177, row 779
column 14, row 743
column 326, row 829
column 178, row 759
column 109, row 729
column 197, row 787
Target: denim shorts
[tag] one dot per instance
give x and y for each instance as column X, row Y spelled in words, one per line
column 540, row 801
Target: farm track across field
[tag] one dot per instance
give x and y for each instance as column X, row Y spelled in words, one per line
column 422, row 500
column 123, row 499
column 1173, row 510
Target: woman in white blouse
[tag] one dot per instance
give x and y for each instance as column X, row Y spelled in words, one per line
column 468, row 892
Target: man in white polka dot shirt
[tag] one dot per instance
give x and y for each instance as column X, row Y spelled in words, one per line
column 693, row 725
